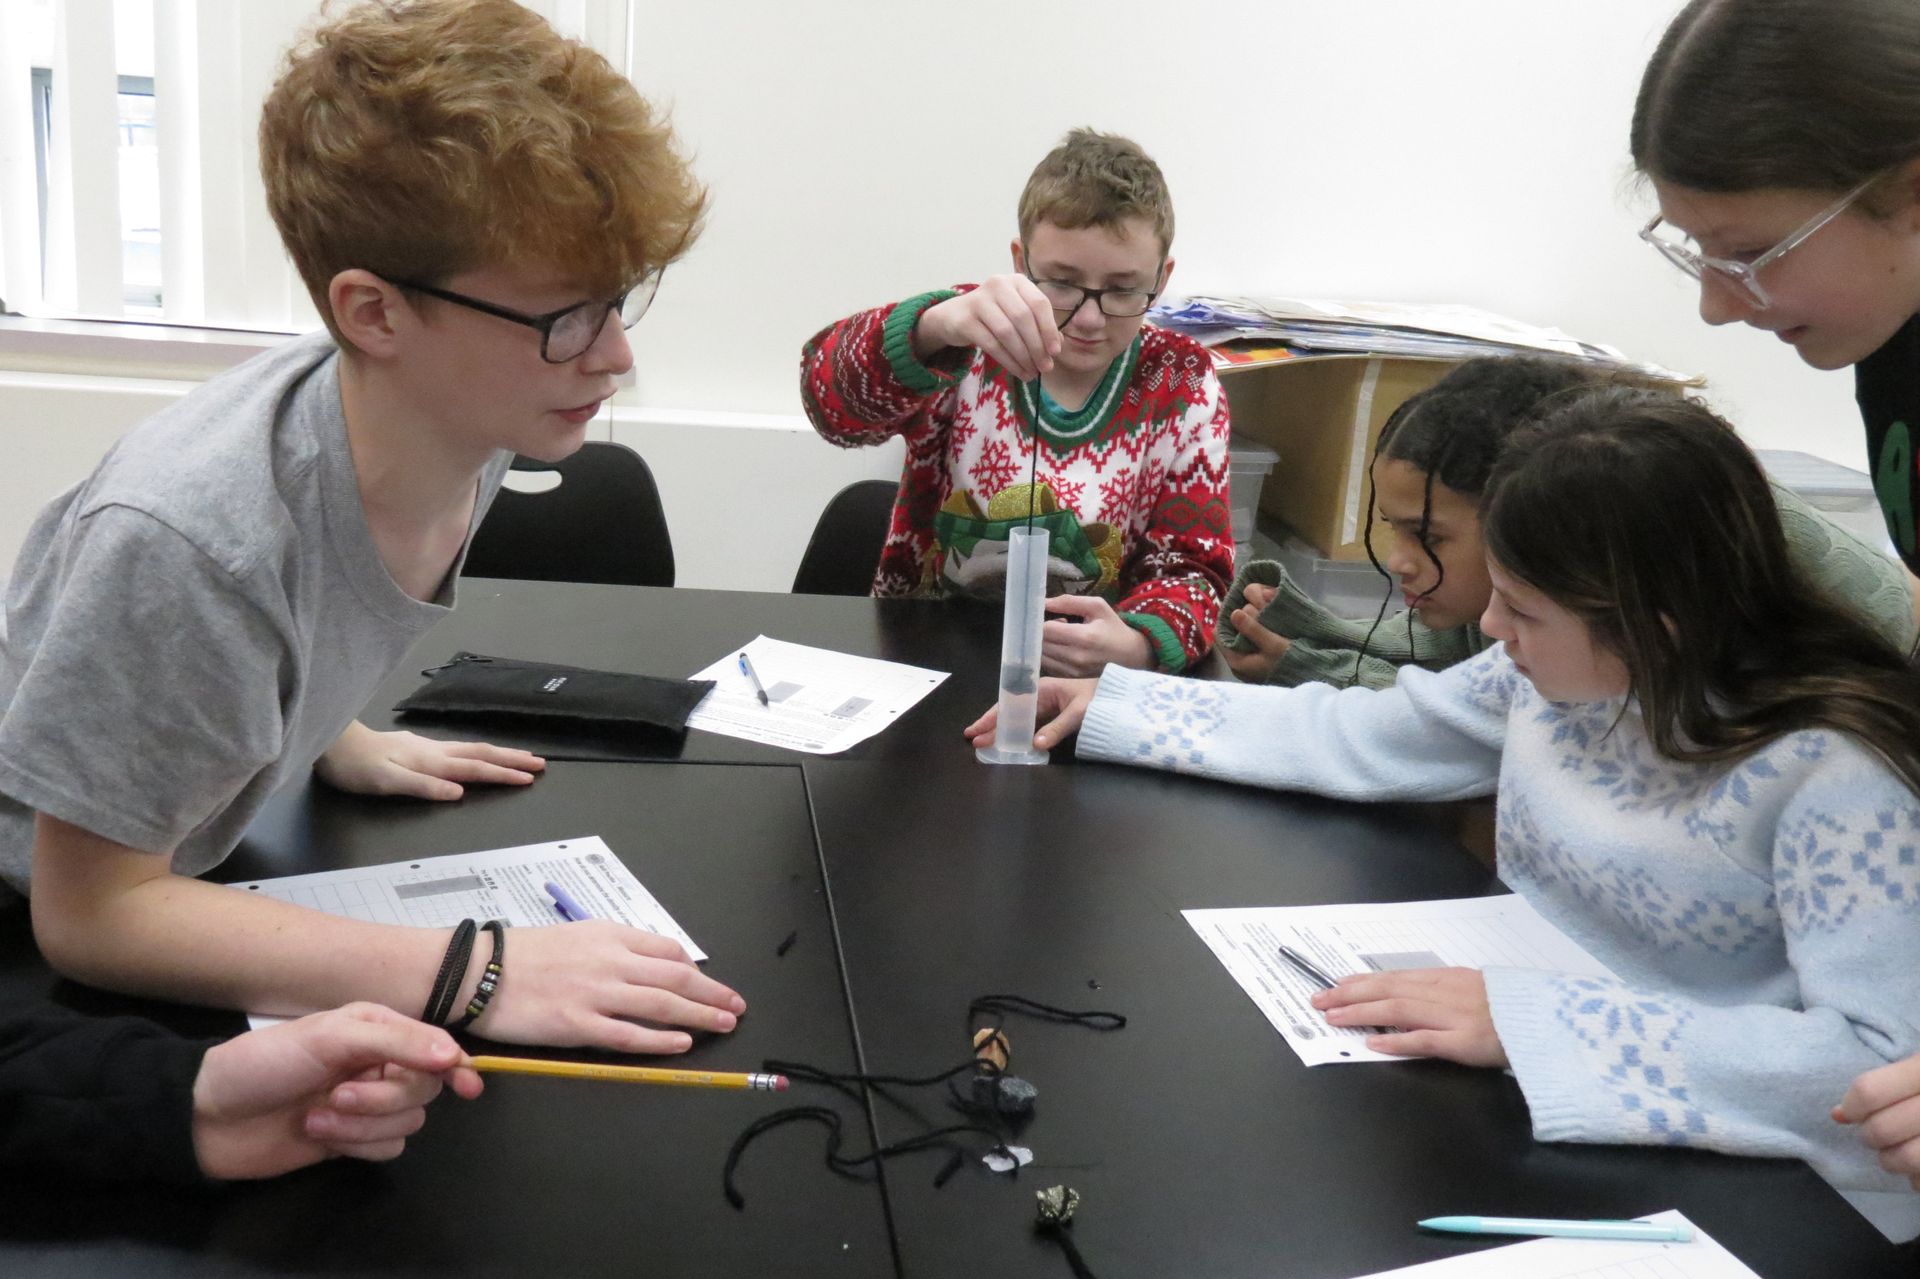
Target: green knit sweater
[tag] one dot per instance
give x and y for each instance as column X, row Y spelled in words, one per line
column 1325, row 647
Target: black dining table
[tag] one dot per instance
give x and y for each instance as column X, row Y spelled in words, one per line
column 863, row 902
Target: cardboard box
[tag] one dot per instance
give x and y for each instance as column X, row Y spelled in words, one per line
column 1322, row 413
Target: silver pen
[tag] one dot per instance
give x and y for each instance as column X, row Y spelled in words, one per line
column 759, row 689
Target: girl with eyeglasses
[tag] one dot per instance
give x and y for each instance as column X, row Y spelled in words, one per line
column 1783, row 140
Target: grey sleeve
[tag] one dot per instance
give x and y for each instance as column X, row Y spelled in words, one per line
column 151, row 693
column 1847, row 569
column 1306, row 662
column 1325, row 647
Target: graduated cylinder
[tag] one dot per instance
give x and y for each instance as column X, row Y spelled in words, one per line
column 1026, row 607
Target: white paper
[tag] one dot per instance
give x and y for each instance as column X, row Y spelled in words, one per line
column 819, row 701
column 1699, row 1258
column 504, row 883
column 1471, row 932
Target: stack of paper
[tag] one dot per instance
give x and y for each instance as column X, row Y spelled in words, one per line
column 1312, row 326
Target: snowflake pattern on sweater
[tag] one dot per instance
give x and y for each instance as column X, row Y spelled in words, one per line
column 1142, row 486
column 1633, row 1038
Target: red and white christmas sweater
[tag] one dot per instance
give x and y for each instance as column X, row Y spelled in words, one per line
column 1132, row 486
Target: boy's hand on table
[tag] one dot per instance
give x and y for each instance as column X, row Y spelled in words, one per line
column 600, row 984
column 1886, row 1105
column 1269, row 646
column 1007, row 317
column 401, row 763
column 350, row 1083
column 1062, row 705
column 1435, row 1012
column 1082, row 649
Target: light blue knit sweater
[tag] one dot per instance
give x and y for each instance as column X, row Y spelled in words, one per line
column 1763, row 916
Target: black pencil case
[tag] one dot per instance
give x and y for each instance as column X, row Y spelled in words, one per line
column 476, row 687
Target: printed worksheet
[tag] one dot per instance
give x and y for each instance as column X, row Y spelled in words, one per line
column 508, row 884
column 818, row 701
column 1699, row 1258
column 1471, row 932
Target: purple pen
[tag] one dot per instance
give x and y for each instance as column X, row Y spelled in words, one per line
column 570, row 910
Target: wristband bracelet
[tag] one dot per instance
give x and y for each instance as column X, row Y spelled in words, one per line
column 489, row 976
column 453, row 972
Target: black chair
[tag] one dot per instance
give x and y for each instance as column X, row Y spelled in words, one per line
column 845, row 548
column 602, row 523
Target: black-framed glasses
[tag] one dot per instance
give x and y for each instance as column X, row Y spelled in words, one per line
column 567, row 333
column 1121, row 304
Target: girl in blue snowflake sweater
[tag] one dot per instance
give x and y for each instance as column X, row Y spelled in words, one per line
column 1705, row 777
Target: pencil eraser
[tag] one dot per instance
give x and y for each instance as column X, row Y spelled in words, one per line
column 779, row 1083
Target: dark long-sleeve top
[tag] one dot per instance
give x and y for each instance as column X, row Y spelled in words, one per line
column 104, row 1098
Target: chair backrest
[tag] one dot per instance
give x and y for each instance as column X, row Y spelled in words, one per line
column 602, row 523
column 845, row 548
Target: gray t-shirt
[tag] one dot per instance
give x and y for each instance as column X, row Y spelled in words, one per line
column 198, row 620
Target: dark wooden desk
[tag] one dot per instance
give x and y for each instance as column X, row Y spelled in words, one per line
column 1201, row 1144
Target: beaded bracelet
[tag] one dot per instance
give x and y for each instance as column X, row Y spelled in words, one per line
column 453, row 972
column 489, row 977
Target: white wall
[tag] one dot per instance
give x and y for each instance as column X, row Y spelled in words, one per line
column 859, row 150
column 1469, row 151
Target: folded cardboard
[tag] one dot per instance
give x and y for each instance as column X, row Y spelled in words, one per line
column 1323, row 414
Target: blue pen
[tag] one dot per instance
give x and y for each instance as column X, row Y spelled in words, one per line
column 759, row 690
column 570, row 910
column 1645, row 1231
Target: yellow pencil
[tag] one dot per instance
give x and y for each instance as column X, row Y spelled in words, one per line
column 628, row 1074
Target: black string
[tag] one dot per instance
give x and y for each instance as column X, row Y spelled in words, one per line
column 1043, row 1012
column 842, row 1082
column 814, row 1075
column 856, row 1167
column 1423, row 535
column 1059, row 1232
column 1033, row 472
column 1366, row 541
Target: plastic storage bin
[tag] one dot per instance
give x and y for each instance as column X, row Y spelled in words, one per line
column 1838, row 491
column 1346, row 588
column 1248, row 465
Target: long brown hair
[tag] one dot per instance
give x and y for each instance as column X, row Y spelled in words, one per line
column 1746, row 95
column 1645, row 515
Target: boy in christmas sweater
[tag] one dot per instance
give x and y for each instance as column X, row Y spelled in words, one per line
column 1044, row 393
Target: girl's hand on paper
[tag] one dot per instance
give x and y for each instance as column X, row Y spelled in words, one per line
column 1269, row 646
column 1436, row 1012
column 1081, row 649
column 1062, row 704
column 1886, row 1105
column 400, row 763
column 599, row 984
